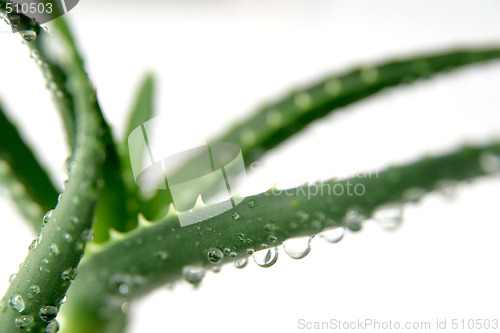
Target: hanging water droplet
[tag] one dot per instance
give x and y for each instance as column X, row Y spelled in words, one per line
column 251, row 204
column 12, row 277
column 236, row 216
column 297, row 248
column 447, row 187
column 241, row 263
column 250, row 251
column 54, row 249
column 215, row 255
column 216, row 269
column 17, row 303
column 34, row 291
column 53, row 327
column 193, row 274
column 48, row 313
column 24, row 322
column 266, row 258
column 389, row 216
column 87, row 235
column 413, row 194
column 69, row 274
column 333, row 235
column 29, row 35
column 353, row 219
column 489, row 162
column 48, row 216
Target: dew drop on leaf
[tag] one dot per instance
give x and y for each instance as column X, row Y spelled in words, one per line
column 333, row 235
column 215, row 255
column 34, row 290
column 53, row 327
column 241, row 263
column 29, row 35
column 236, row 216
column 389, row 216
column 48, row 313
column 24, row 322
column 251, row 204
column 69, row 274
column 489, row 162
column 193, row 274
column 54, row 249
column 17, row 303
column 353, row 219
column 266, row 258
column 297, row 248
column 48, row 216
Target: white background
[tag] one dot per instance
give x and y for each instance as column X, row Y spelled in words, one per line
column 215, row 61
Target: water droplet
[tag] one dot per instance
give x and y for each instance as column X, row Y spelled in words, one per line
column 24, row 322
column 241, row 263
column 34, row 244
column 297, row 248
column 333, row 235
column 29, row 35
column 216, row 269
column 333, row 87
column 414, row 194
column 353, row 219
column 215, row 255
column 303, row 101
column 53, row 327
column 34, row 290
column 12, row 277
column 48, row 216
column 125, row 307
column 75, row 220
column 389, row 216
column 236, row 216
column 48, row 313
column 54, row 249
column 69, row 274
column 250, row 251
column 233, row 254
column 447, row 187
column 87, row 235
column 251, row 204
column 193, row 274
column 274, row 118
column 163, row 255
column 64, row 299
column 248, row 137
column 17, row 303
column 489, row 162
column 272, row 238
column 14, row 20
column 123, row 289
column 369, row 75
column 67, row 238
column 266, row 258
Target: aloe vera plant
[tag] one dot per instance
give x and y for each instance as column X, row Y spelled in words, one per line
column 102, row 214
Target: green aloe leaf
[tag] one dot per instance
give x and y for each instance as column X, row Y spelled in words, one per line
column 134, row 263
column 282, row 119
column 20, row 172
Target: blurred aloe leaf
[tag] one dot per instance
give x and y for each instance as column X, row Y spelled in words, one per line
column 23, row 176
